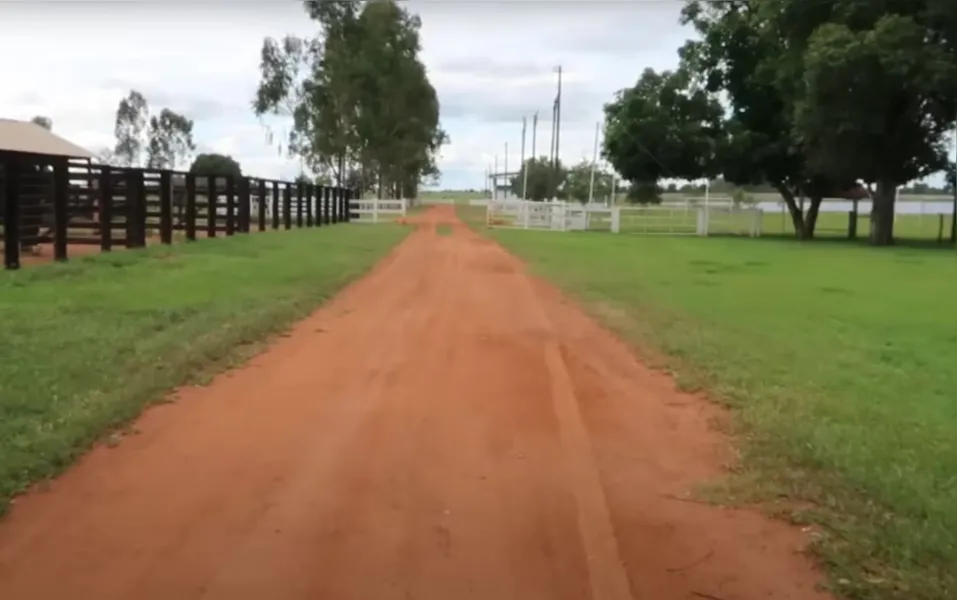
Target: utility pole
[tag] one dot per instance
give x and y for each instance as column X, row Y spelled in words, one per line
column 495, row 180
column 558, row 117
column 507, row 182
column 594, row 163
column 534, row 132
column 523, row 170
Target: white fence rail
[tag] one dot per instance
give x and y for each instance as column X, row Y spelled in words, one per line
column 378, row 211
column 646, row 220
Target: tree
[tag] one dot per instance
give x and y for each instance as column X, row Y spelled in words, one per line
column 217, row 165
column 662, row 127
column 823, row 94
column 880, row 93
column 132, row 118
column 644, row 192
column 545, row 181
column 170, row 140
column 578, row 183
column 358, row 94
column 44, row 122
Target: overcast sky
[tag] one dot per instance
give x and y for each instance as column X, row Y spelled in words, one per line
column 491, row 62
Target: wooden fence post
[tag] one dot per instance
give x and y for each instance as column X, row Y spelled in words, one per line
column 11, row 212
column 261, row 209
column 190, row 207
column 61, row 190
column 275, row 205
column 166, row 207
column 212, row 196
column 286, row 206
column 106, row 209
column 326, row 194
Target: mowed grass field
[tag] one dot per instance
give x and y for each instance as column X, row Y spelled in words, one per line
column 838, row 361
column 85, row 345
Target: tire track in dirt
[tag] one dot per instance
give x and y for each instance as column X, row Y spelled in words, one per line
column 444, row 428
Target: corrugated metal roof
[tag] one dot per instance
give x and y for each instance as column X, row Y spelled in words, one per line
column 25, row 136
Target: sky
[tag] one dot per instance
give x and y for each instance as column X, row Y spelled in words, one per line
column 491, row 61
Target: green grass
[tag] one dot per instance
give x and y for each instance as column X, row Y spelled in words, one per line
column 88, row 343
column 839, row 362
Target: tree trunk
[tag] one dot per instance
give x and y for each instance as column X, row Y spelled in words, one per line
column 810, row 219
column 797, row 215
column 882, row 214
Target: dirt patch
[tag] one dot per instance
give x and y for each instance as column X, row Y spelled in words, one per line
column 445, row 428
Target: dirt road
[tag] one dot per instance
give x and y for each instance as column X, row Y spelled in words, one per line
column 446, row 428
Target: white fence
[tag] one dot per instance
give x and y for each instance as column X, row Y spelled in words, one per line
column 666, row 220
column 378, row 211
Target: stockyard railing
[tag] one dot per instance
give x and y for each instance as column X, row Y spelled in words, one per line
column 53, row 200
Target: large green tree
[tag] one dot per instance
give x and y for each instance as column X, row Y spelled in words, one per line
column 880, row 90
column 358, row 95
column 216, row 165
column 578, row 183
column 663, row 127
column 546, row 180
column 823, row 94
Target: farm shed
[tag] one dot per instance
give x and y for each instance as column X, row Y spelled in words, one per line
column 34, row 164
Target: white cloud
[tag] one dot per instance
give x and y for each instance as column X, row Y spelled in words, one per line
column 491, row 63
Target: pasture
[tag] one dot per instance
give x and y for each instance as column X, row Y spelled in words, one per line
column 87, row 344
column 837, row 362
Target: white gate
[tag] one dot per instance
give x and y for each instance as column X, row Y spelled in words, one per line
column 377, row 211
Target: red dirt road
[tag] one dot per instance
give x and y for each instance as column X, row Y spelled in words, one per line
column 445, row 429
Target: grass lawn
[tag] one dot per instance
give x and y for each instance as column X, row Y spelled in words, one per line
column 839, row 361
column 87, row 344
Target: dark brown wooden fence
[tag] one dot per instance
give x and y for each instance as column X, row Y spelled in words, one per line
column 50, row 200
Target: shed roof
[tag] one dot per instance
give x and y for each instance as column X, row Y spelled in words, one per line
column 25, row 136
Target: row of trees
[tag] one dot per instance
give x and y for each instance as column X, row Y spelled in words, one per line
column 158, row 141
column 809, row 98
column 363, row 110
column 553, row 180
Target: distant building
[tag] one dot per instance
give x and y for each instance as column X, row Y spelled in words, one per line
column 25, row 137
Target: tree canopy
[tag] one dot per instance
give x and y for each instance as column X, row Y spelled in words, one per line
column 218, row 165
column 817, row 97
column 362, row 107
column 545, row 179
column 161, row 141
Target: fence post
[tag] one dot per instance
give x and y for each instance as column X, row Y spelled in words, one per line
column 286, row 206
column 347, row 208
column 261, row 208
column 299, row 190
column 310, row 198
column 106, row 209
column 166, row 207
column 230, row 205
column 61, row 189
column 326, row 195
column 11, row 213
column 211, row 201
column 190, row 207
column 275, row 205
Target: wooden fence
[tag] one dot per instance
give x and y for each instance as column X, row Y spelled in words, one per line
column 53, row 200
